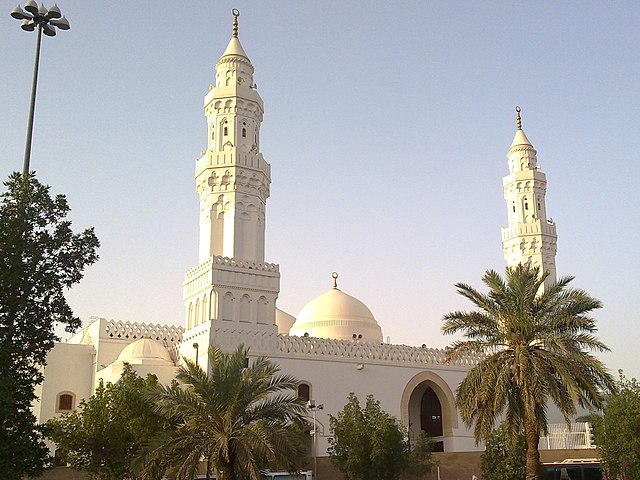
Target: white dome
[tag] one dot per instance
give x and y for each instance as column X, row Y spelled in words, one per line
column 145, row 351
column 337, row 315
column 284, row 321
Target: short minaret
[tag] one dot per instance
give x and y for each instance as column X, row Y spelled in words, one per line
column 232, row 288
column 530, row 236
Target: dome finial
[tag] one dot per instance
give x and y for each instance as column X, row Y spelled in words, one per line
column 334, row 275
column 519, row 118
column 236, row 14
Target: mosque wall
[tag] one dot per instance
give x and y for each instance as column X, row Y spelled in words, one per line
column 391, row 383
column 69, row 371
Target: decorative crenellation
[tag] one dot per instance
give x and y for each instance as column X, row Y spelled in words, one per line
column 208, row 264
column 259, row 341
column 167, row 334
column 381, row 353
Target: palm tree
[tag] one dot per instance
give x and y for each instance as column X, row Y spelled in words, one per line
column 239, row 419
column 533, row 346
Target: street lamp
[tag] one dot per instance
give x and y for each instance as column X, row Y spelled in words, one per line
column 196, row 347
column 45, row 21
column 311, row 405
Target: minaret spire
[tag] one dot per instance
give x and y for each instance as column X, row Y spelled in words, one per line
column 530, row 237
column 236, row 14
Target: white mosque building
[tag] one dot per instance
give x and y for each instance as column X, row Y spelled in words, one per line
column 335, row 345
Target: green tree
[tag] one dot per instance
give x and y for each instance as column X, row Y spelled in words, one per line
column 367, row 443
column 503, row 458
column 421, row 460
column 40, row 258
column 240, row 419
column 107, row 432
column 619, row 436
column 533, row 348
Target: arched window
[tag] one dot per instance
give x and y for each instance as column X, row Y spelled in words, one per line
column 244, row 132
column 65, row 402
column 205, row 313
column 196, row 316
column 304, row 392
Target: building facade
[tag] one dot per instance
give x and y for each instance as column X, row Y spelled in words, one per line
column 335, row 346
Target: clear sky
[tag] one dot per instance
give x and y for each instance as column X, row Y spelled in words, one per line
column 387, row 126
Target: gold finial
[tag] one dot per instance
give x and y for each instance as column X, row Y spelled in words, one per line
column 236, row 14
column 518, row 110
column 334, row 275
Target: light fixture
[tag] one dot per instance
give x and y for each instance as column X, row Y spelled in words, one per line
column 46, row 21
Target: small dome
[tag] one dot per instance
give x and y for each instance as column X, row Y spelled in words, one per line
column 284, row 321
column 145, row 351
column 337, row 315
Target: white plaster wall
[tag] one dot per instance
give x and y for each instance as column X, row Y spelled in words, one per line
column 69, row 368
column 332, row 380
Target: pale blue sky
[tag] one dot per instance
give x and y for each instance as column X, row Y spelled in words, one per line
column 386, row 125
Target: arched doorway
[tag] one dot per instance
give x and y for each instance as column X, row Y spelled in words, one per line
column 431, row 413
column 428, row 405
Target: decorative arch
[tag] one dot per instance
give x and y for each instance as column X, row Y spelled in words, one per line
column 205, row 311
column 227, row 306
column 413, row 397
column 190, row 315
column 245, row 308
column 261, row 316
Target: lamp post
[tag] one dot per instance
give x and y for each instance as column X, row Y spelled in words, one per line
column 311, row 405
column 196, row 347
column 45, row 21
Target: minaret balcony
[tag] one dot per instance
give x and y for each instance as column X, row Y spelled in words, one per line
column 547, row 228
column 233, row 158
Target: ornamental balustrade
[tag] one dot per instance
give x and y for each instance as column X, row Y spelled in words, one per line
column 165, row 334
column 357, row 350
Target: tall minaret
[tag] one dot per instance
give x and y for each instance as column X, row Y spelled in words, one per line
column 232, row 289
column 530, row 236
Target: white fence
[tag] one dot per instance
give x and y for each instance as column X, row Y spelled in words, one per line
column 568, row 436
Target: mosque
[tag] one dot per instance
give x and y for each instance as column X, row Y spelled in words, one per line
column 335, row 345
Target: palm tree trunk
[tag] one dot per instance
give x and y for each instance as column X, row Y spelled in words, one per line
column 532, row 437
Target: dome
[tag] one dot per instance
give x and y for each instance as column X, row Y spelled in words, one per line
column 284, row 321
column 337, row 315
column 145, row 351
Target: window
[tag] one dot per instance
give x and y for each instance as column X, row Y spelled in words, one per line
column 65, row 402
column 244, row 132
column 304, row 392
